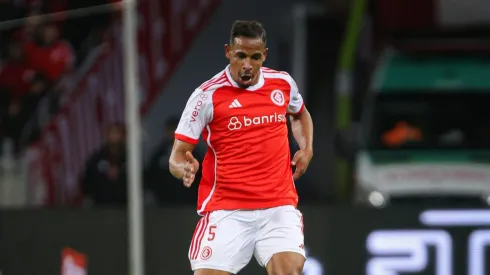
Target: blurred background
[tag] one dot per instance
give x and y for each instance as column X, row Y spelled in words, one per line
column 398, row 90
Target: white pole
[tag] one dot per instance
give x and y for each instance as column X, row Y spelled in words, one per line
column 135, row 205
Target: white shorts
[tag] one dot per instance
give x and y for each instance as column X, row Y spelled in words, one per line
column 227, row 240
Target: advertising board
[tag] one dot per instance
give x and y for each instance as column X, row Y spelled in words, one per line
column 338, row 240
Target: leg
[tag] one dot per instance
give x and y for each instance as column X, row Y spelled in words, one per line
column 286, row 263
column 223, row 243
column 279, row 245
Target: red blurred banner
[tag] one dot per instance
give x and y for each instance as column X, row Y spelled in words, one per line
column 167, row 29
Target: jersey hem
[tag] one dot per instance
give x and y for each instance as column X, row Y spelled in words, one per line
column 250, row 206
column 186, row 139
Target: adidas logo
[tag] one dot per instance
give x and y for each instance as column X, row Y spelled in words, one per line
column 235, row 104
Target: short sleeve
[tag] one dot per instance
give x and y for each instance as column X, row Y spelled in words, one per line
column 296, row 104
column 197, row 114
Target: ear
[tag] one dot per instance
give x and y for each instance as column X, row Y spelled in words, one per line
column 228, row 51
column 266, row 51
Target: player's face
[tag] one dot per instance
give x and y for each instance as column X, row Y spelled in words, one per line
column 246, row 56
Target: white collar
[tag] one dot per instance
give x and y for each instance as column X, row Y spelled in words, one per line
column 255, row 87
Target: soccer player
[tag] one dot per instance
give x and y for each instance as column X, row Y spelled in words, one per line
column 247, row 195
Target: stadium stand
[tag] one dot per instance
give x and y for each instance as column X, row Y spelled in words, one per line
column 38, row 55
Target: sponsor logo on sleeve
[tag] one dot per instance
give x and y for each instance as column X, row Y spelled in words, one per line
column 197, row 107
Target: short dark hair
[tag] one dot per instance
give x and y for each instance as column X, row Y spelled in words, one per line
column 249, row 29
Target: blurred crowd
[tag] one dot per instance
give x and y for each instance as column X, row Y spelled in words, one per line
column 104, row 179
column 38, row 52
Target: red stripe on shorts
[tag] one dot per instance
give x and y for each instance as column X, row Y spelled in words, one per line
column 197, row 231
column 201, row 237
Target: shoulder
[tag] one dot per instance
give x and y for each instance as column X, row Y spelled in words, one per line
column 205, row 91
column 271, row 74
column 217, row 81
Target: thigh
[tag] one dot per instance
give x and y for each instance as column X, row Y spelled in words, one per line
column 223, row 241
column 280, row 233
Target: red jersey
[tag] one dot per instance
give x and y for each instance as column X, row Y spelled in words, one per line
column 53, row 60
column 248, row 162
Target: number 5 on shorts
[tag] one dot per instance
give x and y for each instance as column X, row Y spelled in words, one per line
column 211, row 232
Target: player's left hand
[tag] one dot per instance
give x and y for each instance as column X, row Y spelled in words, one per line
column 301, row 160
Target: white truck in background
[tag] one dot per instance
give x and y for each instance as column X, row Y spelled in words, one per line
column 426, row 132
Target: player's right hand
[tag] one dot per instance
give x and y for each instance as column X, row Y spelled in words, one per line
column 191, row 167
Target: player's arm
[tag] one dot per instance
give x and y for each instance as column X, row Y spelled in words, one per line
column 302, row 128
column 197, row 114
column 182, row 163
